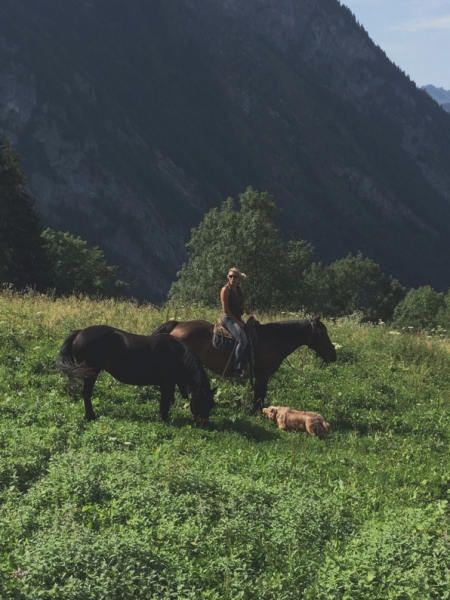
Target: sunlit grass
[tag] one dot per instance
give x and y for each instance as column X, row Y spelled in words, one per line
column 128, row 506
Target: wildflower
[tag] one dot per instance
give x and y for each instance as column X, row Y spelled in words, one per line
column 112, row 439
column 19, row 573
column 394, row 333
column 337, row 346
column 127, row 443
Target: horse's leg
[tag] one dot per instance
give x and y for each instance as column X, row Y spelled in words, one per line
column 167, row 398
column 88, row 387
column 260, row 392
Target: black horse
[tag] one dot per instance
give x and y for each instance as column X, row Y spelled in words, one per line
column 160, row 360
column 275, row 341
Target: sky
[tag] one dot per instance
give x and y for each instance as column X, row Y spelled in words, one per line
column 415, row 34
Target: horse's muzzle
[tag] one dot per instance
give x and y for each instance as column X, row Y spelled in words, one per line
column 331, row 357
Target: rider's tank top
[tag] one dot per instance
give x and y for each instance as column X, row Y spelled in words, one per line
column 236, row 301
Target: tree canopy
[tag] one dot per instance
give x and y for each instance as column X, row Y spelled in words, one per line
column 280, row 275
column 249, row 239
column 421, row 308
column 353, row 284
column 79, row 269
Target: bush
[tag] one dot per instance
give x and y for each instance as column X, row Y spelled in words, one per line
column 78, row 269
column 353, row 284
column 421, row 308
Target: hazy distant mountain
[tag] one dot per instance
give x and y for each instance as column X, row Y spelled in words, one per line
column 441, row 96
column 134, row 117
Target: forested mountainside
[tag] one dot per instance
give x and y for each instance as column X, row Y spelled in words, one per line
column 134, row 117
column 441, row 96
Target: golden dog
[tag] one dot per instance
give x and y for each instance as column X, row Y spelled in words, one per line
column 289, row 419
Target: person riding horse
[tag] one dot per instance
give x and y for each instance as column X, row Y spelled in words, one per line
column 233, row 306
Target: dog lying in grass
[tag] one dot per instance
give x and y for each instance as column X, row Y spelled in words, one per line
column 289, row 419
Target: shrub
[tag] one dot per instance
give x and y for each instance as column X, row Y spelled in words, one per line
column 421, row 308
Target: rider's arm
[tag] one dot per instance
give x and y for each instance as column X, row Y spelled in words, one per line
column 247, row 311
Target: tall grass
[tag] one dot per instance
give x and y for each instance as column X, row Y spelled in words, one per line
column 129, row 507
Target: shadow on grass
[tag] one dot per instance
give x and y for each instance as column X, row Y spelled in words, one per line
column 180, row 417
column 346, row 425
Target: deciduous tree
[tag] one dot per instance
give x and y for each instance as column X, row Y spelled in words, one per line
column 78, row 269
column 353, row 284
column 421, row 308
column 250, row 239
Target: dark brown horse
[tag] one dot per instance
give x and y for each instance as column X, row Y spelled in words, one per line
column 160, row 360
column 275, row 341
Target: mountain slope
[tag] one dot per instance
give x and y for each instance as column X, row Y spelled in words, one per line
column 441, row 96
column 134, row 117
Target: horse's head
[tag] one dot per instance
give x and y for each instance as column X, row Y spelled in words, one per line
column 202, row 403
column 320, row 342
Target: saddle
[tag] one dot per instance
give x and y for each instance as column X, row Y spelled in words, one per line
column 224, row 341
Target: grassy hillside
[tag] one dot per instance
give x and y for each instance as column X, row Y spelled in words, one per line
column 129, row 507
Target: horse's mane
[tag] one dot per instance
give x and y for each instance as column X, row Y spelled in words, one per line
column 283, row 328
column 196, row 374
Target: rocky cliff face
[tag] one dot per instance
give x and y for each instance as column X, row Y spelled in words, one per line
column 78, row 189
column 134, row 118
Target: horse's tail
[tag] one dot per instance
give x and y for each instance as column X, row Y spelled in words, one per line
column 166, row 327
column 65, row 360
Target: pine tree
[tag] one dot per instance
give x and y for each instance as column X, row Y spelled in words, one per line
column 23, row 261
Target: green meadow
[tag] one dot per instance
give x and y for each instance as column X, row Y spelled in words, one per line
column 129, row 507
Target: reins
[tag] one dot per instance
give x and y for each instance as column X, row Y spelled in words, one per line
column 231, row 356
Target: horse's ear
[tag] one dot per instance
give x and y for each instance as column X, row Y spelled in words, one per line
column 315, row 320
